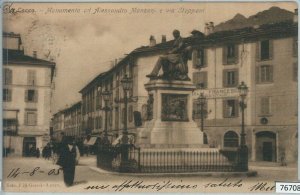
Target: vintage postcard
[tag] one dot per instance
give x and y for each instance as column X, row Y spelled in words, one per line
column 150, row 97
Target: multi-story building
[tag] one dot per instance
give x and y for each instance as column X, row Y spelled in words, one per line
column 58, row 124
column 27, row 91
column 68, row 121
column 72, row 120
column 264, row 57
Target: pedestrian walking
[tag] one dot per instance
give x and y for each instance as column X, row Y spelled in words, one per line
column 69, row 155
column 38, row 153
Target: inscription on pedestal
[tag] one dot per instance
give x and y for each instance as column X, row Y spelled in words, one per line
column 174, row 107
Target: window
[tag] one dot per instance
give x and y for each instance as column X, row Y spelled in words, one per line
column 117, row 118
column 7, row 76
column 99, row 98
column 31, row 117
column 31, row 77
column 31, row 95
column 230, row 78
column 231, row 139
column 264, row 74
column 295, row 46
column 99, row 122
column 264, row 50
column 265, row 105
column 295, row 71
column 130, row 113
column 123, row 115
column 200, row 79
column 197, row 110
column 90, row 123
column 230, row 54
column 199, row 58
column 7, row 95
column 230, row 108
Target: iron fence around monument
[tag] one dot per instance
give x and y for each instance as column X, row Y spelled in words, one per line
column 168, row 161
column 186, row 161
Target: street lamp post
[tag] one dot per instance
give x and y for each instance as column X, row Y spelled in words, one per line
column 106, row 96
column 243, row 149
column 127, row 85
column 202, row 102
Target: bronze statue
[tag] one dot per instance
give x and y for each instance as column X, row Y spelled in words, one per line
column 174, row 63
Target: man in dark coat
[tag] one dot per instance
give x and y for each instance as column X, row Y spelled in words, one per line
column 69, row 154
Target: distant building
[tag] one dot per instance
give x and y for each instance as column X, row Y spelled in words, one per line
column 27, row 91
column 72, row 120
column 68, row 121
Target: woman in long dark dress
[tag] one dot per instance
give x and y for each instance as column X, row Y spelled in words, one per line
column 69, row 154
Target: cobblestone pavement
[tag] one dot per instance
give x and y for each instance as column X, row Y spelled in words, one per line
column 38, row 171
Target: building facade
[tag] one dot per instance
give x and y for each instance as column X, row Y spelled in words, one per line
column 264, row 57
column 72, row 120
column 68, row 121
column 27, row 92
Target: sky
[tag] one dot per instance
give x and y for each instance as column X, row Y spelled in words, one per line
column 83, row 44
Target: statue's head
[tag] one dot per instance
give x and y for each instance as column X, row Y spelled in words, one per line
column 176, row 33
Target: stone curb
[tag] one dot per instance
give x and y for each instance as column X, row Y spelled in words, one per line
column 250, row 173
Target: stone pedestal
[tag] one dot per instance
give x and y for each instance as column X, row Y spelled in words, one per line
column 171, row 125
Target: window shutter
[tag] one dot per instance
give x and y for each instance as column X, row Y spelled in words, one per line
column 26, row 95
column 204, row 60
column 257, row 74
column 205, row 79
column 9, row 76
column 257, row 51
column 224, row 51
column 271, row 49
column 236, row 107
column 35, row 119
column 26, row 118
column 271, row 73
column 236, row 53
column 224, row 78
column 36, row 96
column 236, row 80
column 225, row 113
column 195, row 58
column 9, row 94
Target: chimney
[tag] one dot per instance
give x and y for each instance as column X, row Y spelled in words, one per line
column 163, row 38
column 152, row 41
column 211, row 27
column 295, row 19
column 34, row 54
column 206, row 29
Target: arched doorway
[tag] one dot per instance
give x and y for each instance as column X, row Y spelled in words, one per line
column 231, row 139
column 29, row 146
column 266, row 146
